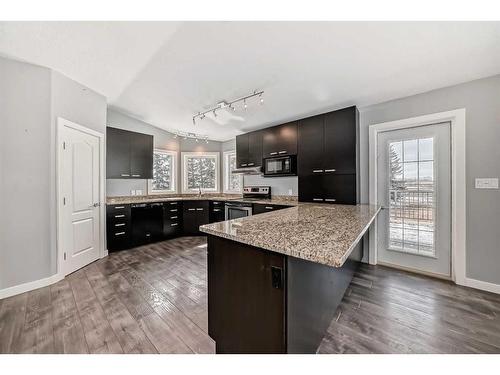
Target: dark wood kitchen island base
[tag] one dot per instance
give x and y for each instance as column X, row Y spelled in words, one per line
column 261, row 301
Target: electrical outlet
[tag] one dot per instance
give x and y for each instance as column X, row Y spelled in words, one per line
column 132, row 192
column 290, row 192
column 138, row 192
column 486, row 183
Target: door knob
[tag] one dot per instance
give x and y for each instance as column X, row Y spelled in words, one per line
column 96, row 204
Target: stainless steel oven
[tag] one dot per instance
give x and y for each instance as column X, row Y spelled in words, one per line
column 235, row 210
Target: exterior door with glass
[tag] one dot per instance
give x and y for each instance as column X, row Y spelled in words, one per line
column 414, row 189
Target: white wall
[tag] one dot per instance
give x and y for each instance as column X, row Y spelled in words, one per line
column 481, row 99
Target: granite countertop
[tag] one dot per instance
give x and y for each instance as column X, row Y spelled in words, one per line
column 281, row 200
column 320, row 233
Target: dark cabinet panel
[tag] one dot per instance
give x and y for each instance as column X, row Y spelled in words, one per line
column 340, row 141
column 141, row 156
column 117, row 153
column 259, row 208
column 246, row 298
column 280, row 140
column 196, row 213
column 310, row 146
column 311, row 188
column 128, row 154
column 339, row 188
column 255, row 149
column 242, row 150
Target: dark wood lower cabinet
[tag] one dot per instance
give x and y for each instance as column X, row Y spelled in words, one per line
column 195, row 213
column 264, row 302
column 246, row 313
column 217, row 211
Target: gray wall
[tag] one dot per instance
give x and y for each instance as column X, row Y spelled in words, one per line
column 25, row 241
column 32, row 98
column 481, row 99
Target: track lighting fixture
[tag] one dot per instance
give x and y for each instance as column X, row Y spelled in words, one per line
column 230, row 104
column 197, row 137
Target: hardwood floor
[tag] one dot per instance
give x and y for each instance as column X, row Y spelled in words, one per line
column 153, row 299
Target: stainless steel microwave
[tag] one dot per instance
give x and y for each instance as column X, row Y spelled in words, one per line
column 280, row 166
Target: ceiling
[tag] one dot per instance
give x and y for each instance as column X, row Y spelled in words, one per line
column 164, row 72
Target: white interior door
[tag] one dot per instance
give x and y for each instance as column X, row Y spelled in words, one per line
column 80, row 223
column 414, row 189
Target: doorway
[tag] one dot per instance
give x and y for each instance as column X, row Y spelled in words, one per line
column 414, row 190
column 80, row 196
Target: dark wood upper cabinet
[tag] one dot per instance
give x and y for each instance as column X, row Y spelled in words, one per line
column 327, row 157
column 340, row 141
column 249, row 149
column 255, row 149
column 310, row 145
column 117, row 153
column 280, row 140
column 128, row 154
column 141, row 156
column 242, row 150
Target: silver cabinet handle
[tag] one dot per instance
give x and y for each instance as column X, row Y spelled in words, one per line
column 125, row 175
column 282, row 152
column 199, row 209
column 330, row 200
column 273, row 153
column 173, row 203
column 119, row 233
column 317, row 170
column 119, row 215
column 318, row 199
column 174, row 224
column 191, row 209
column 175, row 210
column 251, row 164
column 119, row 207
column 330, row 170
column 136, row 175
column 244, row 165
column 269, row 208
column 216, row 209
column 173, row 217
column 120, row 225
column 148, row 234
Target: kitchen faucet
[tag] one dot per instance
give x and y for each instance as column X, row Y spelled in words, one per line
column 199, row 191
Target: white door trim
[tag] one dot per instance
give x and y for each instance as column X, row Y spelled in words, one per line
column 458, row 182
column 61, row 122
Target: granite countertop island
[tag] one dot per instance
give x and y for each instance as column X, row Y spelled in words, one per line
column 320, row 233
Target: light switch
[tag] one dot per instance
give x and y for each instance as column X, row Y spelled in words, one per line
column 486, row 183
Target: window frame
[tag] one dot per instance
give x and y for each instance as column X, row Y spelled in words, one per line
column 226, row 174
column 185, row 156
column 174, row 189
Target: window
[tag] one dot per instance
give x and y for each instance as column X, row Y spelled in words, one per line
column 412, row 196
column 232, row 182
column 164, row 170
column 200, row 170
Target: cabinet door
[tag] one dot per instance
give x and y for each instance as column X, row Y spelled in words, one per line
column 255, row 149
column 340, row 188
column 190, row 221
column 141, row 156
column 311, row 188
column 117, row 153
column 280, row 140
column 246, row 304
column 310, row 146
column 202, row 214
column 216, row 211
column 242, row 150
column 340, row 141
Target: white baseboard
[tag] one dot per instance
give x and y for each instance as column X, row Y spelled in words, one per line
column 483, row 285
column 26, row 287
